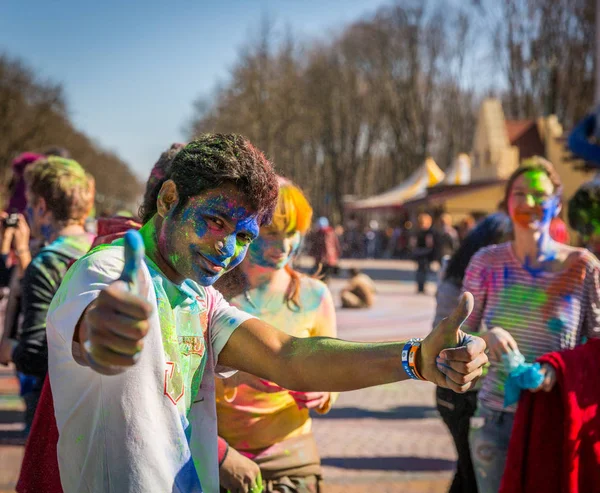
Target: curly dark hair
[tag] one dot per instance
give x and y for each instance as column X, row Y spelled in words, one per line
column 212, row 160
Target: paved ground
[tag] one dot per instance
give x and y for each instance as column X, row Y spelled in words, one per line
column 388, row 438
column 380, row 440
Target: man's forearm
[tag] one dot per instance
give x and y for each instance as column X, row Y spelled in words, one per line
column 327, row 364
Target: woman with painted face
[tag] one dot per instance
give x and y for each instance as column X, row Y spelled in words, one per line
column 264, row 425
column 533, row 295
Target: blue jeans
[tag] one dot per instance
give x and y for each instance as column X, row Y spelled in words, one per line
column 489, row 438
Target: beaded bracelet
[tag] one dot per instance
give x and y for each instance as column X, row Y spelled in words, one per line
column 409, row 358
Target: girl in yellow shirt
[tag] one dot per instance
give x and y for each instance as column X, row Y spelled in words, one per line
column 266, row 426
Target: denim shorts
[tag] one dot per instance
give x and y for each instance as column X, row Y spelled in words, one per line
column 489, row 437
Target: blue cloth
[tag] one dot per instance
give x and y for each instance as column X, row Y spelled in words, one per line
column 579, row 142
column 521, row 376
column 28, row 383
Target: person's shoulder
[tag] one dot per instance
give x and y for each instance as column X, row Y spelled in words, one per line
column 47, row 261
column 312, row 284
column 584, row 256
column 208, row 296
column 106, row 260
column 311, row 287
column 103, row 254
column 491, row 254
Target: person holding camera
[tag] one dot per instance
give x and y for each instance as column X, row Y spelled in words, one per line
column 15, row 252
column 16, row 256
column 59, row 198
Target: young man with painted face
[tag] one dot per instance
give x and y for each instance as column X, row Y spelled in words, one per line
column 60, row 196
column 536, row 296
column 133, row 374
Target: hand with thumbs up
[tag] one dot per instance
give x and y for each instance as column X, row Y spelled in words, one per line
column 115, row 324
column 449, row 357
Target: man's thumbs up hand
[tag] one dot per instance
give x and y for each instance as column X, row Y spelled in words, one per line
column 118, row 320
column 449, row 357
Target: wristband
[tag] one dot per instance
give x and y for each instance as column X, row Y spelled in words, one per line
column 409, row 358
column 405, row 355
column 412, row 358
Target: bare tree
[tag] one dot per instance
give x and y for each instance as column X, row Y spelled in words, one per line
column 33, row 116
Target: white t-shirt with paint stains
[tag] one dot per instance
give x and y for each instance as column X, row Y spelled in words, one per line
column 153, row 427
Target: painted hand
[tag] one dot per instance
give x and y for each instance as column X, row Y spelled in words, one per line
column 440, row 360
column 499, row 342
column 549, row 378
column 310, row 400
column 239, row 474
column 118, row 320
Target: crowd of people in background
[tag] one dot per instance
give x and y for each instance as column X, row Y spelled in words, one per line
column 372, row 241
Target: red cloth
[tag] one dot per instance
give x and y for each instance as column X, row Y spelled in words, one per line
column 39, row 471
column 555, row 442
column 111, row 228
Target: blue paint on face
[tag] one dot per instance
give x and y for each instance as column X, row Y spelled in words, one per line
column 274, row 249
column 211, row 235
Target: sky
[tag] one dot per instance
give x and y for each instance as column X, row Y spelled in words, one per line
column 132, row 69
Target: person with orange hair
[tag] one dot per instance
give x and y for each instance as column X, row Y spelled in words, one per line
column 264, row 425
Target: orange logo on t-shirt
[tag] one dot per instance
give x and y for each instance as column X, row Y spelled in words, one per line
column 191, row 345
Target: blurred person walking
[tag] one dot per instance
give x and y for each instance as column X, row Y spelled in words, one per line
column 446, row 237
column 325, row 249
column 423, row 249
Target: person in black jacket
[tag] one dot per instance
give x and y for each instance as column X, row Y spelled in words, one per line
column 423, row 249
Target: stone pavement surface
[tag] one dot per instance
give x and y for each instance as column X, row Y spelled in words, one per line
column 385, row 439
column 388, row 438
